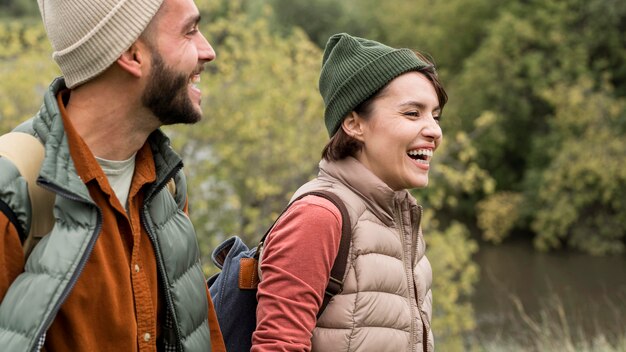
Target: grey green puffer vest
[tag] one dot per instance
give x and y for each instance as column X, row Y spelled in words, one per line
column 55, row 264
column 386, row 302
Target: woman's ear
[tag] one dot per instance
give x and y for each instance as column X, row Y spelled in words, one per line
column 353, row 126
column 133, row 60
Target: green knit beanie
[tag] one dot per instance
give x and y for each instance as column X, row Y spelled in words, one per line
column 354, row 69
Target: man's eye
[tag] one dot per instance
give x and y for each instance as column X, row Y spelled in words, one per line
column 412, row 113
column 194, row 30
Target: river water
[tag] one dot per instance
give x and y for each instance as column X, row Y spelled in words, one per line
column 522, row 293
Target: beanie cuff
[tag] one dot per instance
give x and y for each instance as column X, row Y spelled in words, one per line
column 104, row 44
column 365, row 82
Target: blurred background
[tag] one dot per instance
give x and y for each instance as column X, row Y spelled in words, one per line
column 526, row 208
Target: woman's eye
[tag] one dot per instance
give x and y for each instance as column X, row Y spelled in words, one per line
column 412, row 113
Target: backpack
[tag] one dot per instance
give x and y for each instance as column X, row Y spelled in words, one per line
column 27, row 152
column 233, row 290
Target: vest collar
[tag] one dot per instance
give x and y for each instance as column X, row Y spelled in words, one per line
column 380, row 199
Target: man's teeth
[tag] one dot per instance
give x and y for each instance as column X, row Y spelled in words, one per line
column 421, row 155
column 194, row 80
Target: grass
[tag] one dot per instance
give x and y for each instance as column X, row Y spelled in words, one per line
column 554, row 330
column 553, row 344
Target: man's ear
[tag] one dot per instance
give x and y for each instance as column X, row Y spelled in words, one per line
column 353, row 126
column 133, row 60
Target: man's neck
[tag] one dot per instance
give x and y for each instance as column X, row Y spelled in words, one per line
column 111, row 121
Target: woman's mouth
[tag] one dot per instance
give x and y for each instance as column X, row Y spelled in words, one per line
column 422, row 156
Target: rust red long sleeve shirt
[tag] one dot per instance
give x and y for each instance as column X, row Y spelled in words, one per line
column 297, row 258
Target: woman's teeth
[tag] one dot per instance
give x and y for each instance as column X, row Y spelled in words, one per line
column 421, row 155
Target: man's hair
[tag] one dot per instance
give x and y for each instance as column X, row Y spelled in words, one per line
column 341, row 145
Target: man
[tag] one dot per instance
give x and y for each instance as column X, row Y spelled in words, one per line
column 120, row 270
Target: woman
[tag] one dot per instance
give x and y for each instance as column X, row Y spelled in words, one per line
column 382, row 112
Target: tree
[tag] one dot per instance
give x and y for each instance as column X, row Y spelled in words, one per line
column 18, row 8
column 263, row 130
column 26, row 68
column 450, row 31
column 329, row 17
column 541, row 61
column 581, row 195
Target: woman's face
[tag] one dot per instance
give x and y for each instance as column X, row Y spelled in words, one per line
column 401, row 132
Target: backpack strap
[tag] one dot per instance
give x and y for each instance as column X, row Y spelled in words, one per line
column 171, row 187
column 335, row 283
column 26, row 152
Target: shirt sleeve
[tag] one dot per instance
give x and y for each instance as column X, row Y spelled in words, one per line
column 11, row 255
column 298, row 256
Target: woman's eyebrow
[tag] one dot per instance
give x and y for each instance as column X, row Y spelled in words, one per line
column 417, row 105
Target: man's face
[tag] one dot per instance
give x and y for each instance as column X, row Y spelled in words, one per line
column 166, row 94
column 178, row 51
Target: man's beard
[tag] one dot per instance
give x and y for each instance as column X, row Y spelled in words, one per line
column 166, row 95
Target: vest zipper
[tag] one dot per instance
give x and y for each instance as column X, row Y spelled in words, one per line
column 81, row 263
column 160, row 264
column 419, row 306
column 409, row 276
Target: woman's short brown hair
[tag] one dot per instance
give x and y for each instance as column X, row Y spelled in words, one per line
column 341, row 145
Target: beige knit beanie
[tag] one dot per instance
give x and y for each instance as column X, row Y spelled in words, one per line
column 87, row 36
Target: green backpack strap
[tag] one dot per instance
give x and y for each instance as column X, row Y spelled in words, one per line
column 26, row 152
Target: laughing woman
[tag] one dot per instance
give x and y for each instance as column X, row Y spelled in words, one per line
column 382, row 112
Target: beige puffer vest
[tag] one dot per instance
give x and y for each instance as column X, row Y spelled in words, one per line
column 378, row 309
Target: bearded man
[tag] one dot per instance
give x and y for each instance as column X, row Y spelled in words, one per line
column 120, row 270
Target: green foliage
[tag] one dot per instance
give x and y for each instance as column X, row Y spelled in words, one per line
column 447, row 30
column 26, row 69
column 449, row 251
column 18, row 8
column 498, row 214
column 529, row 49
column 450, row 30
column 457, row 176
column 329, row 16
column 535, row 55
column 581, row 197
column 263, row 130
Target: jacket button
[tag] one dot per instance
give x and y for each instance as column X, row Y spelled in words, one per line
column 146, row 337
column 136, row 268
